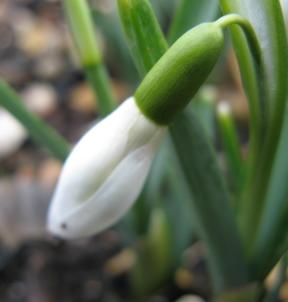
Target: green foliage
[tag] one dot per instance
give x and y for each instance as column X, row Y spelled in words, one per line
column 39, row 131
column 266, row 91
column 232, row 146
column 244, row 242
column 191, row 13
column 82, row 28
column 146, row 41
column 210, row 203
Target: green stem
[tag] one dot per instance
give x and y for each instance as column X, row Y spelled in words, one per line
column 234, row 19
column 39, row 130
column 82, row 28
column 99, row 80
column 257, row 114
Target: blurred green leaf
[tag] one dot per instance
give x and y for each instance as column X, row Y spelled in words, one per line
column 82, row 27
column 266, row 92
column 80, row 21
column 232, row 146
column 190, row 13
column 163, row 10
column 43, row 134
column 210, row 203
column 177, row 202
column 144, row 35
column 116, row 51
column 271, row 239
column 204, row 107
column 154, row 261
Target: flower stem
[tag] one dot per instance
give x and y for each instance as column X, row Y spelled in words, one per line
column 82, row 28
column 99, row 80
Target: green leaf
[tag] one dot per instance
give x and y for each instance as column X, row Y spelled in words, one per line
column 177, row 201
column 152, row 192
column 82, row 27
column 81, row 23
column 271, row 239
column 146, row 40
column 204, row 107
column 224, row 253
column 154, row 261
column 190, row 13
column 116, row 50
column 232, row 146
column 210, row 203
column 266, row 92
column 166, row 187
column 99, row 80
column 43, row 134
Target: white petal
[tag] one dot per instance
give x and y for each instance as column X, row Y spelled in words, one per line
column 104, row 173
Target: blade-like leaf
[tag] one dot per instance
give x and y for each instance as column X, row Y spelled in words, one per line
column 266, row 93
column 146, row 41
column 224, row 253
column 190, row 13
column 154, row 259
column 271, row 239
column 231, row 145
column 211, row 209
column 177, row 201
column 81, row 24
column 43, row 134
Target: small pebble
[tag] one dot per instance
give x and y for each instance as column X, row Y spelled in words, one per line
column 82, row 99
column 190, row 298
column 120, row 263
column 40, row 98
column 12, row 134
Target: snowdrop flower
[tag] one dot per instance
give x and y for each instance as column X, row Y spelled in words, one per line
column 104, row 173
column 107, row 169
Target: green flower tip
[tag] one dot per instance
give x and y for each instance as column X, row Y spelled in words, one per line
column 179, row 73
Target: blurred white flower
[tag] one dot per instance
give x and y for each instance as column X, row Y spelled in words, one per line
column 12, row 134
column 105, row 173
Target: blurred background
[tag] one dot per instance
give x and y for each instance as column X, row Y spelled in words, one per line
column 37, row 59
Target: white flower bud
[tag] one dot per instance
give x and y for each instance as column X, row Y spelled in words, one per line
column 105, row 173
